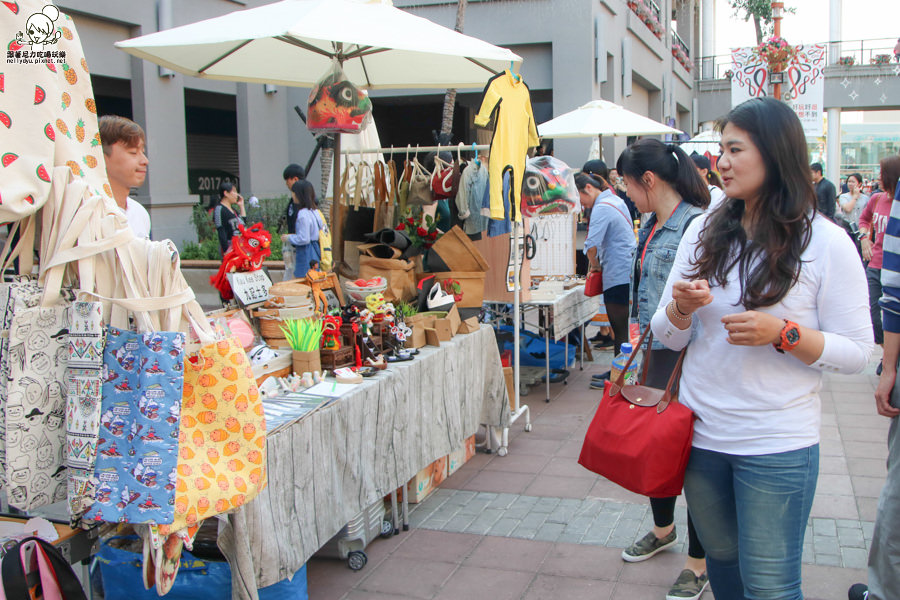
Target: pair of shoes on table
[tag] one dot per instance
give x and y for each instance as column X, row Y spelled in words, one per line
column 648, row 547
column 688, row 586
column 858, row 591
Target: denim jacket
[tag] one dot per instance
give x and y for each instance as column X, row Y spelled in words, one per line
column 658, row 260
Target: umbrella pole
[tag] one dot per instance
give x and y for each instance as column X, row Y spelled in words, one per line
column 337, row 234
column 518, row 410
column 600, row 145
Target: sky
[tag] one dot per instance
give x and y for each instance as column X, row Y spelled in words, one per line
column 861, row 19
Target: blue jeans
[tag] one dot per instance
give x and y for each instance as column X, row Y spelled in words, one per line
column 751, row 513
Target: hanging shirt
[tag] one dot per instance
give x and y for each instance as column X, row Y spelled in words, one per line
column 507, row 102
column 472, row 184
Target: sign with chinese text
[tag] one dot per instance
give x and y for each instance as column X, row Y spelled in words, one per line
column 803, row 89
column 250, row 287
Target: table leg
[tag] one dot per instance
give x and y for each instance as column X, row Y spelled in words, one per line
column 547, row 348
column 394, row 515
column 405, row 510
column 581, row 353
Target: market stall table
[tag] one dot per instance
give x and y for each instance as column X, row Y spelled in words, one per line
column 326, row 468
column 562, row 314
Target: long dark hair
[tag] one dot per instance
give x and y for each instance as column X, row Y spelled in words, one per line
column 669, row 163
column 582, row 180
column 305, row 194
column 890, row 173
column 769, row 263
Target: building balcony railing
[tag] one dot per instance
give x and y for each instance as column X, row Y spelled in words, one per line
column 681, row 52
column 844, row 53
column 648, row 12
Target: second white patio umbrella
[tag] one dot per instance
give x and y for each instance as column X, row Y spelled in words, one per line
column 705, row 142
column 601, row 117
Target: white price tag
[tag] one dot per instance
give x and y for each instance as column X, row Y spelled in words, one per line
column 250, row 287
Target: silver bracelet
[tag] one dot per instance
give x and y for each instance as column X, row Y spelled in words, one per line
column 680, row 316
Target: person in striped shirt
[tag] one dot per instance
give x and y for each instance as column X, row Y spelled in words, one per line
column 884, row 555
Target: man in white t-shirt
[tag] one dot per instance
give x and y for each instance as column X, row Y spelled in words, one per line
column 126, row 167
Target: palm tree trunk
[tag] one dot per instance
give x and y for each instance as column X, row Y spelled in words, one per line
column 450, row 96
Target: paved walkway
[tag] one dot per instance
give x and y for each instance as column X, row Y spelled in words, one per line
column 535, row 524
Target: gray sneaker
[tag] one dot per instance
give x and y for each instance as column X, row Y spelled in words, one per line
column 648, row 546
column 688, row 586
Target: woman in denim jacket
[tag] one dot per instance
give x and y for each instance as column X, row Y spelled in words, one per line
column 662, row 180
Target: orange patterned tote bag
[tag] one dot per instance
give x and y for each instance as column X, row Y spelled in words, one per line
column 222, row 436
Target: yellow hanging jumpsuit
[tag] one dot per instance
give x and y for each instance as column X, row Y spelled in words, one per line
column 514, row 133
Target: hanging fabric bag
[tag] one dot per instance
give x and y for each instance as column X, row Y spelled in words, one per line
column 222, row 434
column 420, row 193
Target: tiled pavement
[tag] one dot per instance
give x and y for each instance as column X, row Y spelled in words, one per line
column 534, row 524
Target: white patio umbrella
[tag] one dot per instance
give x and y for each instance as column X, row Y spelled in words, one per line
column 703, row 142
column 598, row 118
column 293, row 42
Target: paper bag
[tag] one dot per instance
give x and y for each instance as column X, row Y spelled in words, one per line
column 399, row 274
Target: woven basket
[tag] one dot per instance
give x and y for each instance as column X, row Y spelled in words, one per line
column 271, row 320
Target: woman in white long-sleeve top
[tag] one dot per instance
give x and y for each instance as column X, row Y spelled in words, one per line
column 767, row 295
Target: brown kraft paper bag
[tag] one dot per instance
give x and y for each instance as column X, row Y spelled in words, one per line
column 399, row 273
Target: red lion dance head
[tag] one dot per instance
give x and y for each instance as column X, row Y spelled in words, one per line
column 247, row 253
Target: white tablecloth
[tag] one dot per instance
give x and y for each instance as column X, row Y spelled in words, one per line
column 326, row 468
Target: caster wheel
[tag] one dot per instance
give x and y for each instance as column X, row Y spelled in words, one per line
column 527, row 427
column 356, row 560
column 387, row 529
column 502, row 452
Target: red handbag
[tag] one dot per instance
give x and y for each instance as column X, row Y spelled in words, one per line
column 640, row 437
column 593, row 285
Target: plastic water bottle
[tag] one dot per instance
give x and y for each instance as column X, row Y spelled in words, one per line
column 618, row 364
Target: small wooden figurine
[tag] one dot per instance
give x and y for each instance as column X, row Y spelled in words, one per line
column 315, row 277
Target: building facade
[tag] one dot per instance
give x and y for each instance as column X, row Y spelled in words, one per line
column 636, row 53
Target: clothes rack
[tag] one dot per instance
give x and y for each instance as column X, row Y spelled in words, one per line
column 402, row 149
column 519, row 409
